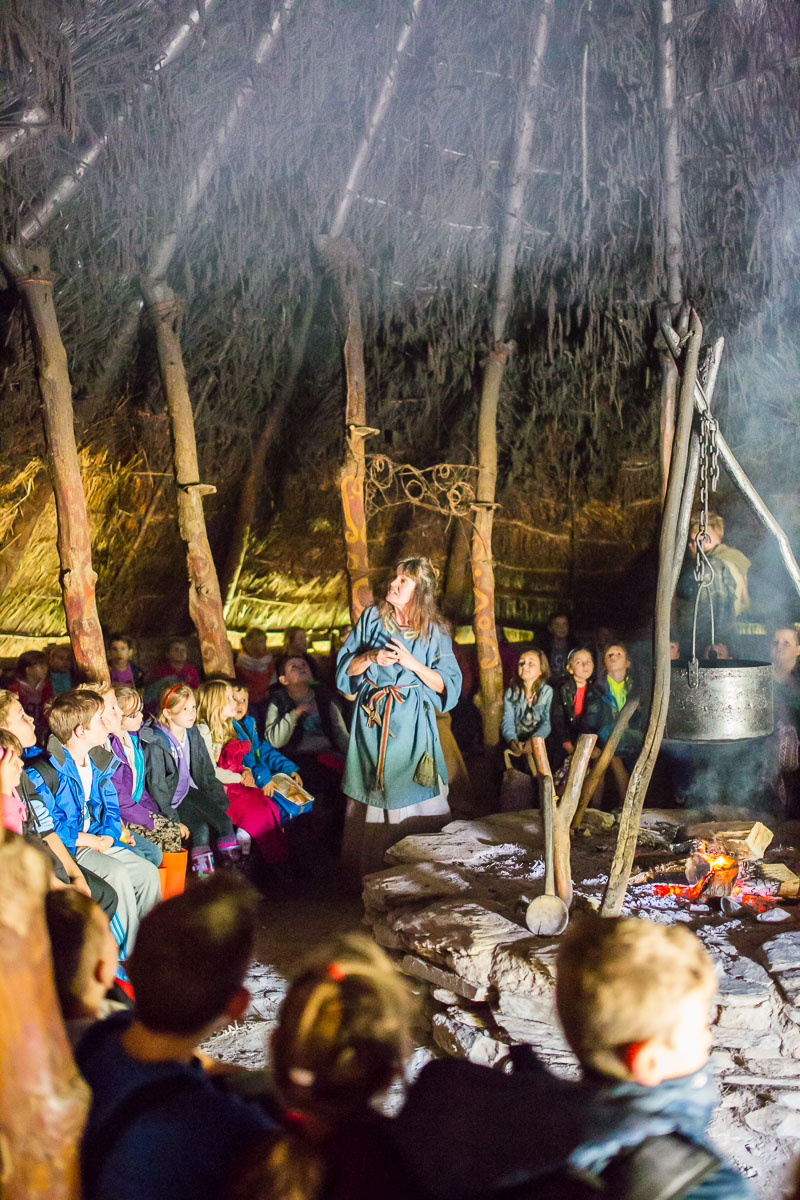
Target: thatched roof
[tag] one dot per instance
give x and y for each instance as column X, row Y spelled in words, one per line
column 578, row 420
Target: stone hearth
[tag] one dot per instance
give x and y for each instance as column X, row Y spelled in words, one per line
column 450, row 908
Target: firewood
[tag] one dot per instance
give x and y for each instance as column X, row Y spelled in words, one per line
column 747, row 841
column 769, row 879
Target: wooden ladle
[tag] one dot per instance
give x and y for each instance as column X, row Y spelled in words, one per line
column 548, row 915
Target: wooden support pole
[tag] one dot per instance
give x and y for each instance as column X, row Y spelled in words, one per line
column 456, row 573
column 642, row 772
column 344, row 266
column 489, row 665
column 30, row 275
column 205, row 601
column 43, row 1100
column 607, row 753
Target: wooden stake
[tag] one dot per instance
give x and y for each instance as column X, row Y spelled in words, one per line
column 489, row 665
column 343, row 263
column 31, row 278
column 43, row 1100
column 205, row 601
column 607, row 753
column 642, row 772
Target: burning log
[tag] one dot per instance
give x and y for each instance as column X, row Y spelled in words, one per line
column 769, row 879
column 747, row 842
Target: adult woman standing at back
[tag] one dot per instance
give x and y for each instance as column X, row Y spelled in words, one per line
column 399, row 662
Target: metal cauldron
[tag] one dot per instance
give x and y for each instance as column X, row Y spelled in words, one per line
column 719, row 700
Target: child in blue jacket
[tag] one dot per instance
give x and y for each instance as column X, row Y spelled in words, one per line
column 526, row 703
column 78, row 795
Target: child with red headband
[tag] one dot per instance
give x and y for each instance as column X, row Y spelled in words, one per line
column 180, row 778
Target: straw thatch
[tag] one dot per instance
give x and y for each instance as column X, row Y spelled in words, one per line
column 578, row 418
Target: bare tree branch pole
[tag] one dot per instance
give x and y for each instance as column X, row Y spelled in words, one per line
column 77, row 577
column 491, row 672
column 619, row 873
column 205, row 602
column 251, row 485
column 671, row 209
column 343, row 263
column 43, row 1099
column 67, row 185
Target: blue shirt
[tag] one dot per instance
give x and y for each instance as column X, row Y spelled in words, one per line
column 184, row 1148
column 522, row 720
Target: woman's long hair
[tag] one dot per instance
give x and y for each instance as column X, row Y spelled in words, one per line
column 342, row 1037
column 422, row 612
column 212, row 696
column 518, row 687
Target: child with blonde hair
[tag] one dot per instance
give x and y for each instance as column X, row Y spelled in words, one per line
column 341, row 1039
column 180, row 778
column 250, row 806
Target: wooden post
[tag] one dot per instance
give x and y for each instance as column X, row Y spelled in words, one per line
column 31, row 278
column 491, row 672
column 671, row 208
column 205, row 602
column 642, row 772
column 342, row 262
column 43, row 1100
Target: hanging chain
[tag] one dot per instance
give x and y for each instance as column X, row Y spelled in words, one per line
column 709, row 477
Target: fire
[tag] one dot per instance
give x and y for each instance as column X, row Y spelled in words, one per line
column 719, row 866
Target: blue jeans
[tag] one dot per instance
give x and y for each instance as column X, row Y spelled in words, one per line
column 146, row 849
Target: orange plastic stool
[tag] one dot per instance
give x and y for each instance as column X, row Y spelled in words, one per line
column 174, row 864
column 162, row 879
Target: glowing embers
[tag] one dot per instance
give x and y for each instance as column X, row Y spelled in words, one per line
column 714, row 874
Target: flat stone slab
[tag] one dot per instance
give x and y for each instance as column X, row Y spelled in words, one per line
column 457, row 848
column 410, row 884
column 418, row 968
column 460, row 936
column 783, row 952
column 463, row 1035
column 789, row 985
column 545, row 1037
column 743, row 982
column 775, row 1120
column 538, row 1006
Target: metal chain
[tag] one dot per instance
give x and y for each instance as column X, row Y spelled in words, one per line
column 709, row 477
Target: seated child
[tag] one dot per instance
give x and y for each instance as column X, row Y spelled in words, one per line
column 576, row 707
column 304, row 719
column 84, row 957
column 32, row 685
column 557, row 644
column 62, row 668
column 137, row 807
column 634, row 998
column 526, row 703
column 180, row 777
column 175, row 1134
column 176, row 668
column 122, row 668
column 255, row 668
column 37, row 826
column 105, row 757
column 79, row 798
column 262, row 758
column 341, row 1039
column 615, row 687
column 250, row 805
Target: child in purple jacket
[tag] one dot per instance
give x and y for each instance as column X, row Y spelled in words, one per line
column 137, row 808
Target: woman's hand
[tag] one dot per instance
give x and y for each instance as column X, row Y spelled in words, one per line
column 386, row 657
column 247, row 778
column 403, row 655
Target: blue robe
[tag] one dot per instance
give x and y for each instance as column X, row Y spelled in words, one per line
column 412, row 747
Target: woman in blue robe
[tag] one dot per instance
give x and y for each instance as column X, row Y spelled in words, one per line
column 398, row 661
